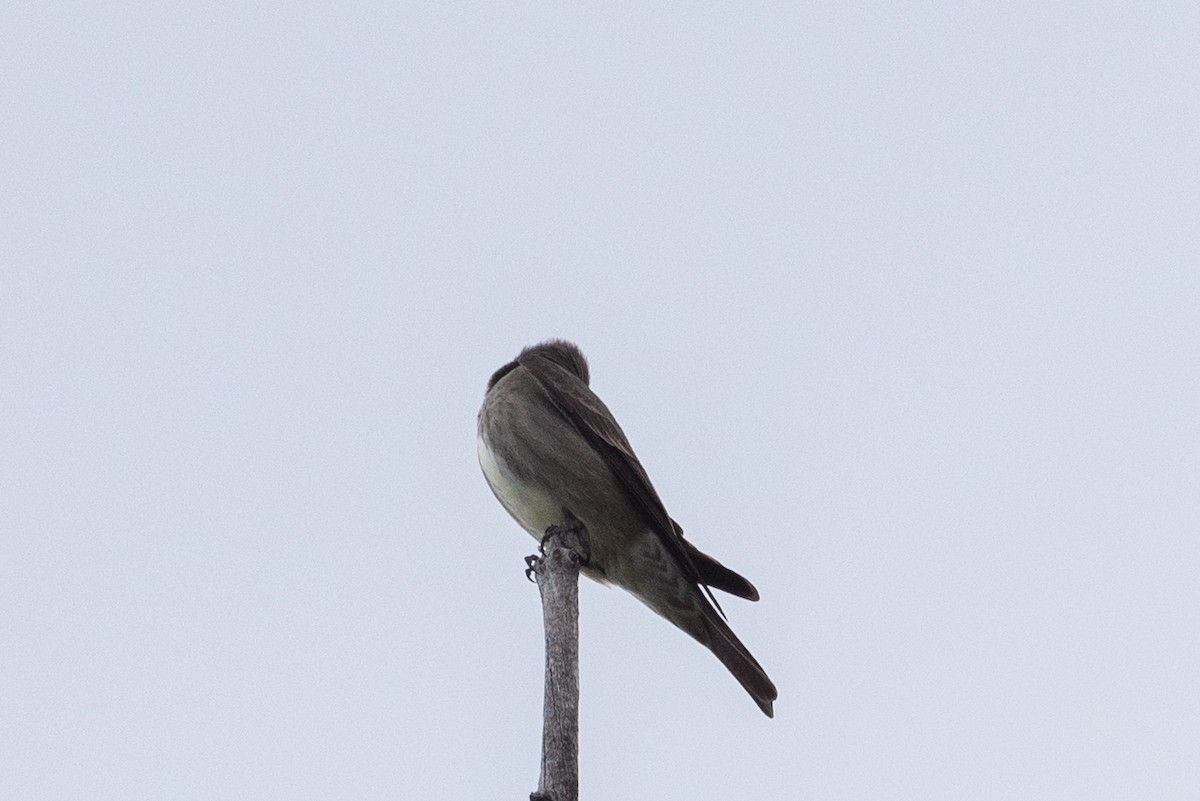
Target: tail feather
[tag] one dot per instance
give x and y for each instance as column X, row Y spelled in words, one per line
column 737, row 659
column 659, row 583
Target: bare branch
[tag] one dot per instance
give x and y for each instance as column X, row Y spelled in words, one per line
column 557, row 572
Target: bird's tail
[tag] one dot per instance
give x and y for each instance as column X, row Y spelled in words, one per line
column 700, row 620
column 660, row 583
column 721, row 640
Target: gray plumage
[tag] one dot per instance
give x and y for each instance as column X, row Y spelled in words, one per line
column 550, row 449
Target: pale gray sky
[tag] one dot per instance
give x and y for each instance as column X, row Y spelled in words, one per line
column 899, row 305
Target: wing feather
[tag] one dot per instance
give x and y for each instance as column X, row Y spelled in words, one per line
column 593, row 420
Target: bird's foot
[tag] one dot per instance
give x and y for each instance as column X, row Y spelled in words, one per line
column 572, row 535
column 531, row 563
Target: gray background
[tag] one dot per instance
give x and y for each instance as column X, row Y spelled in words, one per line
column 897, row 302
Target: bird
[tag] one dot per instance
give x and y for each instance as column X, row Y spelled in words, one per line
column 552, row 452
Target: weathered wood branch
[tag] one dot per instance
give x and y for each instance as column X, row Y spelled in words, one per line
column 564, row 550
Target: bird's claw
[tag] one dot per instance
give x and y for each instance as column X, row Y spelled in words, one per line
column 576, row 542
column 531, row 563
column 575, row 534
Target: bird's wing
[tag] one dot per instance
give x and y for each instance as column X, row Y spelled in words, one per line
column 593, row 420
column 715, row 574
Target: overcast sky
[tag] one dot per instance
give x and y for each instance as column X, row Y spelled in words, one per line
column 898, row 303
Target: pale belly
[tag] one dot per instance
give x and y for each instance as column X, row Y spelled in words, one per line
column 530, row 505
column 618, row 555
